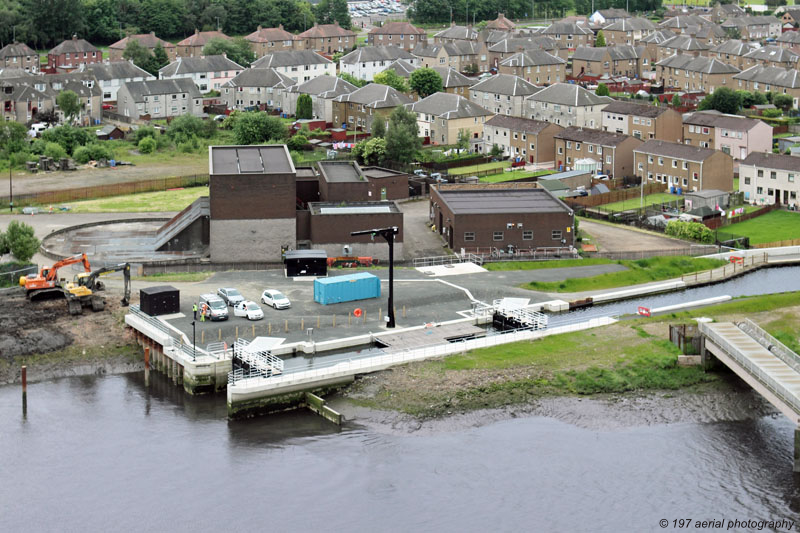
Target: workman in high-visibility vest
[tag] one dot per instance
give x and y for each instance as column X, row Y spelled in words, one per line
column 194, row 310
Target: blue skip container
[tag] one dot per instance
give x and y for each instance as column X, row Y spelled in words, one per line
column 347, row 288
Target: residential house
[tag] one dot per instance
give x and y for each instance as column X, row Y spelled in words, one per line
column 604, row 17
column 791, row 16
column 680, row 23
column 455, row 33
column 689, row 168
column 769, row 79
column 685, row 44
column 460, row 55
column 733, row 134
column 21, row 99
column 366, row 61
column 327, row 39
column 264, row 41
column 402, row 68
column 193, row 45
column 21, row 56
column 400, row 34
column 695, row 74
column 771, row 56
column 535, row 66
column 643, row 121
column 454, row 82
column 567, row 105
column 652, row 42
column 754, row 27
column 504, row 49
column 530, row 140
column 72, row 53
column 710, row 34
column 620, row 60
column 569, row 35
column 257, row 88
column 767, row 178
column 732, row 52
column 628, row 31
column 602, row 152
column 26, row 95
column 722, row 12
column 361, row 107
column 300, row 65
column 789, row 39
column 323, row 91
column 501, row 23
column 159, row 99
column 112, row 75
column 505, row 216
column 502, row 94
column 209, row 73
column 441, row 118
column 145, row 40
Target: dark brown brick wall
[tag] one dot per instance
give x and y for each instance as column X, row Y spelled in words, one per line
column 303, row 225
column 396, row 188
column 337, row 228
column 348, row 191
column 252, row 196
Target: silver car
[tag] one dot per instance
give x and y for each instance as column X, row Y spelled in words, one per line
column 230, row 295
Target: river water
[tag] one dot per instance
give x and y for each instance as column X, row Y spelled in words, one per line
column 109, row 454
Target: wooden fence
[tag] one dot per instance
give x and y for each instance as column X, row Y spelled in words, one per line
column 719, row 222
column 777, row 244
column 614, row 196
column 105, row 191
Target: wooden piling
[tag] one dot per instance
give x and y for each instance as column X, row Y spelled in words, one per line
column 302, row 324
column 269, row 329
column 286, row 326
column 237, row 332
column 317, row 321
column 219, row 335
column 254, row 331
column 334, row 320
column 404, row 311
column 24, row 382
column 202, row 337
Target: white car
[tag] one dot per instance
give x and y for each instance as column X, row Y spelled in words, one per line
column 249, row 310
column 275, row 299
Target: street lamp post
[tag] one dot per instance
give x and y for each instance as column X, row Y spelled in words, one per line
column 194, row 346
column 388, row 234
column 10, row 189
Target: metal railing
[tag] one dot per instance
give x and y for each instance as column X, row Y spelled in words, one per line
column 771, row 344
column 178, row 341
column 436, row 260
column 754, row 370
column 260, row 364
column 533, row 319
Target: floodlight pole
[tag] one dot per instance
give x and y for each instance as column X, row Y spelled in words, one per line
column 388, row 234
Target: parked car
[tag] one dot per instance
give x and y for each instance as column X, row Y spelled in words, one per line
column 217, row 310
column 37, row 129
column 249, row 310
column 230, row 296
column 275, row 299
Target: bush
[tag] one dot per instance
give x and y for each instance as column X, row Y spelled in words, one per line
column 81, row 155
column 68, row 137
column 147, row 145
column 144, row 132
column 38, row 146
column 694, row 231
column 92, row 152
column 54, row 150
column 21, row 240
column 772, row 113
column 297, row 142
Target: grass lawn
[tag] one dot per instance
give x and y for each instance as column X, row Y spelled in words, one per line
column 517, row 174
column 471, row 169
column 640, row 271
column 633, row 203
column 772, row 227
column 141, row 203
column 735, row 184
column 539, row 265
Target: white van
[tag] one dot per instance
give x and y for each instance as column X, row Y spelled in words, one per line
column 37, row 129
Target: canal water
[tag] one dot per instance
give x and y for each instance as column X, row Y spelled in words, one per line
column 109, row 454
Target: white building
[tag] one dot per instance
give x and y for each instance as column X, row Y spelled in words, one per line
column 767, row 178
column 300, row 65
column 363, row 63
column 111, row 76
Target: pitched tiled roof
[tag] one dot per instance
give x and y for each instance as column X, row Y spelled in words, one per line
column 116, row 70
column 376, row 96
column 532, row 58
column 266, row 35
column 289, row 58
column 733, row 47
column 589, row 53
column 449, row 106
column 457, row 32
column 326, row 30
column 566, row 28
column 773, row 53
column 325, row 86
column 750, row 20
column 453, row 78
column 402, row 68
column 630, row 108
column 140, row 89
column 376, row 53
column 569, row 94
column 190, row 65
column 517, row 44
column 686, row 43
column 630, row 24
column 683, row 21
column 506, row 84
column 71, row 46
column 676, row 150
column 781, row 77
column 526, row 125
column 16, row 50
column 394, row 28
column 721, row 120
column 706, row 65
column 501, row 23
column 776, row 161
column 585, row 135
column 201, row 38
column 261, row 77
column 147, row 40
column 657, row 37
column 792, row 37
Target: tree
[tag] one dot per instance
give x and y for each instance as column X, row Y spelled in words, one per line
column 159, row 60
column 390, row 78
column 676, row 100
column 147, row 145
column 723, row 100
column 602, row 90
column 782, row 101
column 462, row 143
column 349, row 78
column 495, row 151
column 370, row 151
column 70, row 104
column 402, row 137
column 733, row 33
column 378, row 128
column 68, row 137
column 21, row 240
column 4, row 246
column 600, row 40
column 330, row 11
column 425, row 81
column 297, row 142
column 12, row 136
column 258, row 127
column 304, row 107
column 237, row 50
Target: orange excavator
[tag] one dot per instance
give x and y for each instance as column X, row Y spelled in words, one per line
column 46, row 284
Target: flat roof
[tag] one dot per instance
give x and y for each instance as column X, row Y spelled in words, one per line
column 498, row 201
column 306, row 254
column 355, row 208
column 306, row 172
column 563, row 175
column 378, row 172
column 261, row 159
column 340, row 171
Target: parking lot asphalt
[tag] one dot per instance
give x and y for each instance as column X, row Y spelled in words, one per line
column 418, row 299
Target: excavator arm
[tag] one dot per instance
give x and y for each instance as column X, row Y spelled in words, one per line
column 52, row 272
column 92, row 282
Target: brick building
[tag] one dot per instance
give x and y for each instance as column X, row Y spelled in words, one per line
column 330, row 225
column 643, row 121
column 532, row 140
column 733, row 134
column 145, row 40
column 72, row 53
column 21, row 56
column 327, row 39
column 264, row 41
column 400, row 34
column 612, row 153
column 687, row 167
column 193, row 45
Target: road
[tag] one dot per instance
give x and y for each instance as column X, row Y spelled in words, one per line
column 623, row 239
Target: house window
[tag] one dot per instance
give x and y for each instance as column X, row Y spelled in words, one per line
column 760, row 173
column 527, row 235
column 685, row 165
column 791, row 178
column 608, row 159
column 661, row 161
column 674, row 163
column 556, row 235
column 747, row 180
column 469, row 235
column 773, row 175
column 497, row 236
column 759, row 190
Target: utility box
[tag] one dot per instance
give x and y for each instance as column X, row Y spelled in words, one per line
column 348, row 288
column 161, row 300
column 306, row 263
